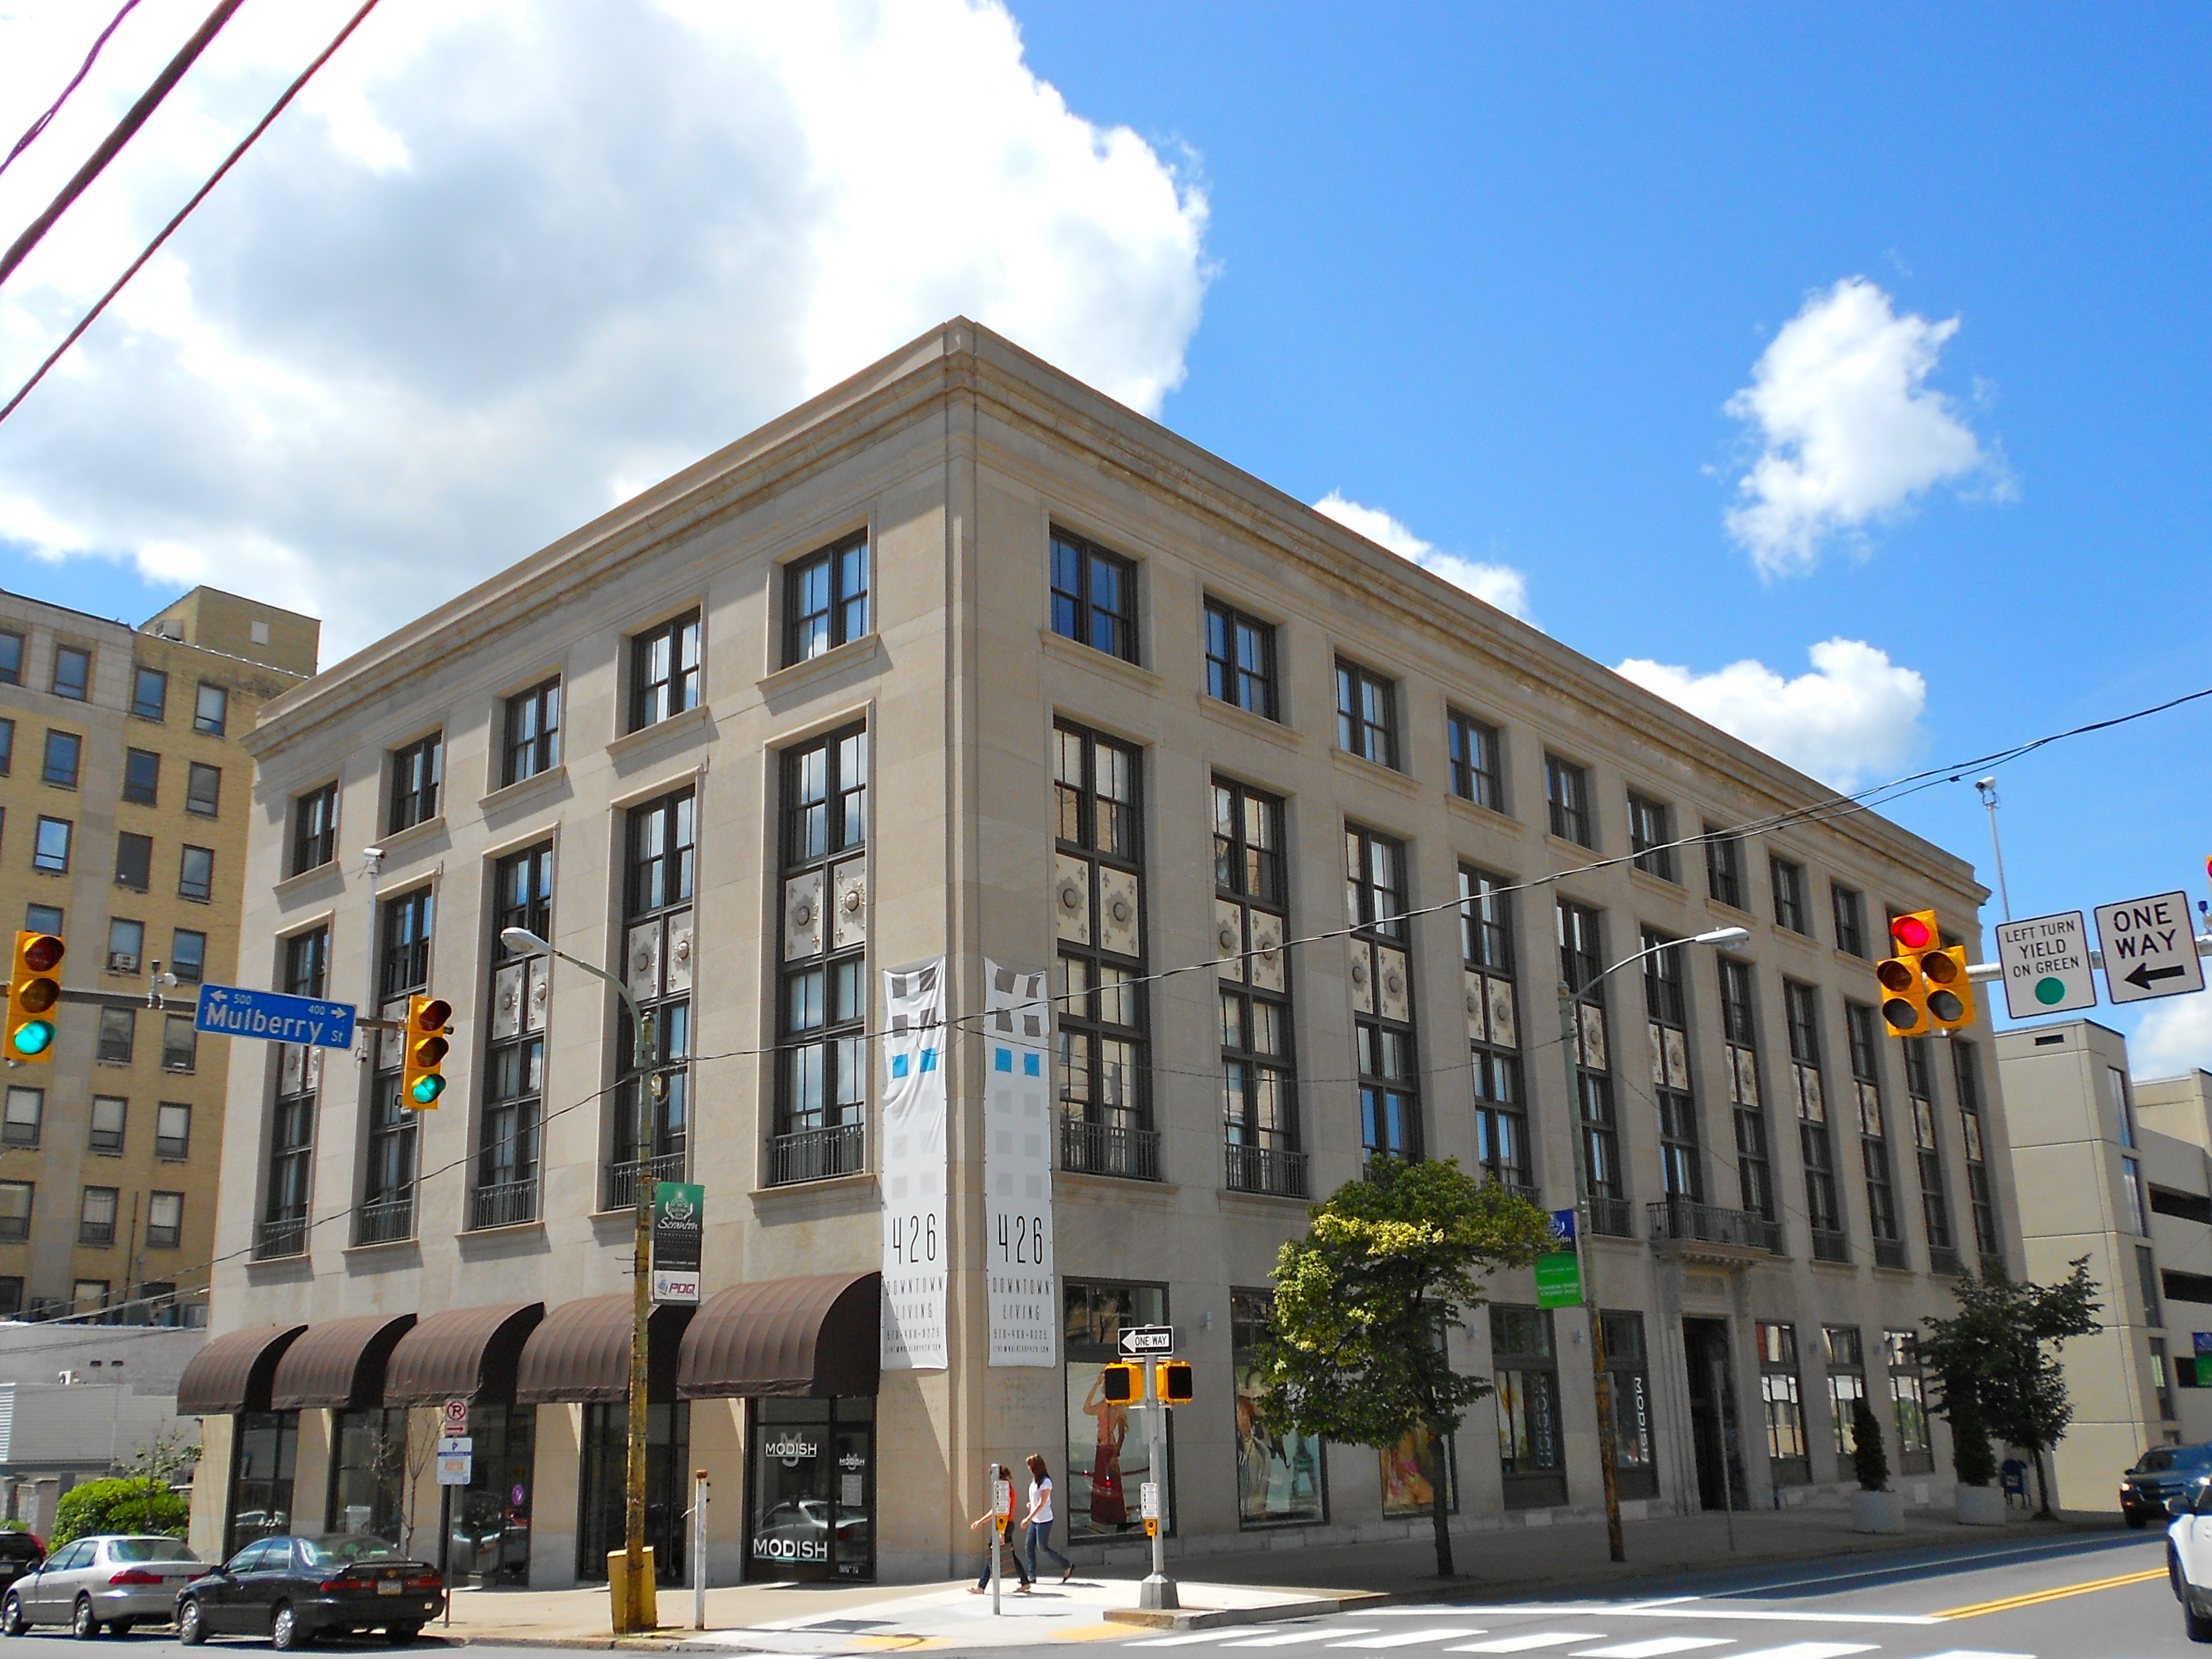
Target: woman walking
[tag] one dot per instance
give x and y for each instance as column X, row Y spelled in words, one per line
column 1038, row 1522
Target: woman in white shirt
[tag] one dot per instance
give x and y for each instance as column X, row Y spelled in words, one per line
column 1037, row 1524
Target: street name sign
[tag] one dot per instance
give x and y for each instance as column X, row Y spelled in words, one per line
column 1148, row 1339
column 2150, row 948
column 2046, row 965
column 234, row 1010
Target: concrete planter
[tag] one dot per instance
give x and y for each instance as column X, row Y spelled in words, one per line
column 1877, row 1511
column 1981, row 1506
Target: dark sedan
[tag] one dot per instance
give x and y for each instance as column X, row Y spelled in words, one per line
column 2161, row 1472
column 293, row 1589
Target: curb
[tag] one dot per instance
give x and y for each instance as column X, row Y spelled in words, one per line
column 1318, row 1607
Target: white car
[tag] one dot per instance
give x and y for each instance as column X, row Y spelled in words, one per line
column 2188, row 1556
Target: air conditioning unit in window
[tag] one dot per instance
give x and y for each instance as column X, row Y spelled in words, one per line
column 122, row 961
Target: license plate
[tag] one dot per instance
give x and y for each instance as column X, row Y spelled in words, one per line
column 390, row 1587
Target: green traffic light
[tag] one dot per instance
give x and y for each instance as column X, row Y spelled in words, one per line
column 428, row 1088
column 34, row 1037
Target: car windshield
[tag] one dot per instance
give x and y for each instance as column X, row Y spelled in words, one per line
column 2157, row 1458
column 149, row 1549
column 344, row 1550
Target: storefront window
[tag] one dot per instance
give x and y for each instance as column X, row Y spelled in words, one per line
column 1108, row 1458
column 1629, row 1373
column 491, row 1513
column 266, row 1446
column 1527, row 1377
column 600, row 1531
column 1405, row 1489
column 813, row 1489
column 1279, row 1474
column 368, row 1475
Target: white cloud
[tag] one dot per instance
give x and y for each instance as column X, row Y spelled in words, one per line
column 1849, row 430
column 1855, row 716
column 2175, row 1037
column 1500, row 585
column 503, row 264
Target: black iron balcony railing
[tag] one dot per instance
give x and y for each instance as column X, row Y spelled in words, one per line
column 1943, row 1259
column 1681, row 1221
column 285, row 1236
column 1518, row 1188
column 1277, row 1171
column 1109, row 1149
column 817, row 1154
column 1890, row 1252
column 384, row 1220
column 504, row 1204
column 1611, row 1217
column 623, row 1178
column 1830, row 1247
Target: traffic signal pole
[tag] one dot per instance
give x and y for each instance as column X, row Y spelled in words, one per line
column 1159, row 1591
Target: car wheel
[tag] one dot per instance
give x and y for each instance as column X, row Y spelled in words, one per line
column 2135, row 1518
column 286, row 1632
column 2195, row 1623
column 84, row 1624
column 400, row 1635
column 191, row 1630
column 12, row 1622
column 120, row 1626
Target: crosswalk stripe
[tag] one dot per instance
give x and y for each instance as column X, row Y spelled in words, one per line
column 1975, row 1653
column 1407, row 1639
column 1185, row 1640
column 1810, row 1650
column 1315, row 1633
column 1652, row 1647
column 1529, row 1641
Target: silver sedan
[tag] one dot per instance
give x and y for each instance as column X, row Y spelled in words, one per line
column 111, row 1582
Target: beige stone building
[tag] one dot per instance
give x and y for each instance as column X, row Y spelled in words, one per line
column 2120, row 1172
column 962, row 662
column 125, row 795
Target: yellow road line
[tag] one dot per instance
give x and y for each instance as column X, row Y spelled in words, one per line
column 1096, row 1632
column 2059, row 1594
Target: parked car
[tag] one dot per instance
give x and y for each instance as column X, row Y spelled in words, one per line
column 2161, row 1472
column 293, row 1589
column 2188, row 1556
column 111, row 1582
column 20, row 1551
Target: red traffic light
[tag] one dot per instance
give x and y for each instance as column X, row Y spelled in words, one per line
column 1911, row 933
column 432, row 1015
column 42, row 953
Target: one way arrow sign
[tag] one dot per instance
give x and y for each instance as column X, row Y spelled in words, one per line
column 2149, row 948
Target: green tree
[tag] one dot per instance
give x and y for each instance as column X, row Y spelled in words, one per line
column 127, row 1505
column 1996, row 1361
column 168, row 1457
column 1869, row 1459
column 1356, row 1348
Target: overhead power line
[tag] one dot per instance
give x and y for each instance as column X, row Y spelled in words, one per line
column 55, row 108
column 184, row 212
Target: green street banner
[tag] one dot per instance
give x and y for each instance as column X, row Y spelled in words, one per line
column 678, row 1212
column 1558, row 1280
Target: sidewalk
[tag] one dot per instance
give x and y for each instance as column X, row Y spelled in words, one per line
column 1245, row 1586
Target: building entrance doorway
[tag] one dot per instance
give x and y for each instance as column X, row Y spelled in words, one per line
column 1713, row 1423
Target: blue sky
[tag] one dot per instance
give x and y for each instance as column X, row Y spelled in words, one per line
column 1496, row 272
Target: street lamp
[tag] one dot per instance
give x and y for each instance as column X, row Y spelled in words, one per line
column 629, row 1612
column 1570, row 1036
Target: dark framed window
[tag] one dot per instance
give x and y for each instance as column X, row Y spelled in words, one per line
column 141, row 776
column 15, row 1201
column 211, row 710
column 661, row 847
column 1107, row 1464
column 1493, row 1027
column 43, row 918
column 417, row 772
column 203, row 789
column 126, row 945
column 1259, row 1084
column 134, row 861
column 1667, row 1010
column 1281, row 1476
column 1103, row 1069
column 22, row 1121
column 1801, row 1007
column 111, row 1115
column 1935, row 1197
column 1581, row 961
column 1628, row 1373
column 534, row 732
column 1846, row 1359
column 172, row 1130
column 96, row 1223
column 72, row 672
column 1240, row 660
column 825, row 600
column 1375, row 903
column 1908, row 1401
column 1862, row 1035
column 283, row 1229
column 1366, row 714
column 118, row 1035
column 314, row 829
column 196, row 873
column 7, row 748
column 508, row 1134
column 1531, row 1448
column 1790, row 910
column 821, row 1094
column 1782, row 1400
column 1478, row 762
column 11, row 658
column 51, row 851
column 1850, row 907
column 1567, row 793
column 164, row 1220
column 188, row 954
column 1724, row 868
column 181, row 1044
column 1651, row 836
column 406, row 929
column 149, row 693
column 65, row 751
column 664, row 671
column 1094, row 596
column 1966, row 1073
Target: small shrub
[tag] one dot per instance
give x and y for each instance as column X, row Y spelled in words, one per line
column 1868, row 1460
column 118, row 1506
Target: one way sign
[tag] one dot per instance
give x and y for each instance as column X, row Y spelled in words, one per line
column 2150, row 949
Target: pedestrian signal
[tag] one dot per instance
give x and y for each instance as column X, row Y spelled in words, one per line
column 422, row 1053
column 1175, row 1381
column 1122, row 1384
column 32, row 992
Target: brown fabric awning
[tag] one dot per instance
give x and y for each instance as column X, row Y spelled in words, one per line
column 232, row 1373
column 340, row 1363
column 804, row 1337
column 581, row 1353
column 464, row 1353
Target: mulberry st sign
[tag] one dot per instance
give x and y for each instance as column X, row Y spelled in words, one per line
column 234, row 1010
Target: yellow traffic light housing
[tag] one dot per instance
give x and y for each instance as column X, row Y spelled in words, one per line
column 1946, row 992
column 33, row 989
column 422, row 1053
column 1903, row 993
column 1174, row 1379
column 1122, row 1384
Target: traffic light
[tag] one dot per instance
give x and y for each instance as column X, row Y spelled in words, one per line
column 1945, row 990
column 1904, row 997
column 422, row 1053
column 1173, row 1378
column 32, row 991
column 1122, row 1384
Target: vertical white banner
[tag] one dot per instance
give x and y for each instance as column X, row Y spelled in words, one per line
column 1017, row 1251
column 914, row 1169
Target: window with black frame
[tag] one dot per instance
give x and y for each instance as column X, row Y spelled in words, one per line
column 1667, row 1012
column 1366, row 714
column 1935, row 1193
column 825, row 600
column 1281, row 1475
column 1494, row 1029
column 1525, row 1371
column 533, row 738
column 283, row 1229
column 1628, row 1373
column 1375, row 903
column 387, row 1199
column 1823, row 1214
column 1723, row 868
column 368, row 1474
column 1240, row 660
column 1782, row 1398
column 1476, row 752
column 664, row 671
column 417, row 773
column 1094, row 596
column 1651, row 836
column 314, row 829
column 1581, row 959
column 1862, row 1033
column 265, row 1450
column 1259, row 1084
column 822, row 1073
column 1966, row 1073
column 1754, row 1157
column 1108, row 1458
column 1103, row 1066
column 1908, row 1401
column 506, row 1191
column 662, row 868
column 1850, row 907
column 1790, row 909
column 1567, row 798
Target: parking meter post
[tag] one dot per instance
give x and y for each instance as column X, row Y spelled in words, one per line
column 699, row 1497
column 445, row 1548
